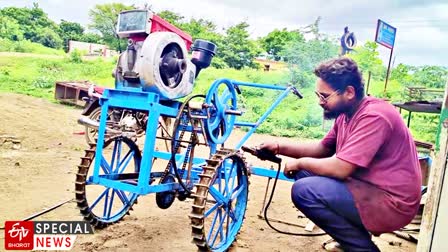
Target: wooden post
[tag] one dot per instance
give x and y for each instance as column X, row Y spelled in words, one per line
column 433, row 214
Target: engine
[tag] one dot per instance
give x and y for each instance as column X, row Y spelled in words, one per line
column 156, row 57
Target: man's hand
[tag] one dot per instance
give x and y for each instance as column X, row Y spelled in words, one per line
column 329, row 167
column 291, row 168
column 273, row 147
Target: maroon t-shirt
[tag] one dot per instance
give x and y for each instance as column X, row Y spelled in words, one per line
column 386, row 184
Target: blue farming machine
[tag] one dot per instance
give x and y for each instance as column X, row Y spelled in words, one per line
column 153, row 84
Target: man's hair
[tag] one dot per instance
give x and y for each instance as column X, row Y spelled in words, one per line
column 340, row 73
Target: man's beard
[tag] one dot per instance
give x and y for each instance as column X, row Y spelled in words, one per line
column 335, row 112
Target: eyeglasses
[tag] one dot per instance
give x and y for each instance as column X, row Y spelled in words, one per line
column 325, row 99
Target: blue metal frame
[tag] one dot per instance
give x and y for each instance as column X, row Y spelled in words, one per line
column 135, row 99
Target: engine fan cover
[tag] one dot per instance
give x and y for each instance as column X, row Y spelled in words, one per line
column 163, row 66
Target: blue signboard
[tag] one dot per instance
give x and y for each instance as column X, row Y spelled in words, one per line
column 385, row 34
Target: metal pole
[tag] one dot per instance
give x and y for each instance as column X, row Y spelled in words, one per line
column 388, row 69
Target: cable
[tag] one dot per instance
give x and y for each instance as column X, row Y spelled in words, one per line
column 269, row 203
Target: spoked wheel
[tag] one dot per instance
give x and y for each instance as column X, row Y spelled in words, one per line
column 103, row 205
column 220, row 201
column 222, row 97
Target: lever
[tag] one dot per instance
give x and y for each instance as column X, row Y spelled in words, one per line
column 296, row 92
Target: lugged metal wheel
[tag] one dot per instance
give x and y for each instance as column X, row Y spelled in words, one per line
column 219, row 125
column 220, row 201
column 103, row 205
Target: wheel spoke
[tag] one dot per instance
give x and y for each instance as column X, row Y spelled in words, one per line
column 122, row 196
column 126, row 161
column 225, row 97
column 216, row 121
column 220, row 228
column 228, row 223
column 220, row 199
column 109, row 209
column 118, row 157
column 234, row 177
column 98, row 199
column 232, row 214
column 106, row 201
column 114, row 152
column 213, row 224
column 230, row 176
column 211, row 209
column 105, row 166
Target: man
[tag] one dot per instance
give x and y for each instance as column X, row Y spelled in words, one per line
column 364, row 176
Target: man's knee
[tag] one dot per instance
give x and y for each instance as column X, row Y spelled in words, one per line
column 303, row 192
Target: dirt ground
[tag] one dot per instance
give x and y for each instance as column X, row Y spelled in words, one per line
column 41, row 173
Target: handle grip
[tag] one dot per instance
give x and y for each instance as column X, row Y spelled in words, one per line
column 262, row 154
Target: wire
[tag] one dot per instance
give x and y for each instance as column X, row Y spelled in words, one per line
column 269, row 203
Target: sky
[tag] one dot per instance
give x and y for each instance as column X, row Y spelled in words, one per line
column 422, row 26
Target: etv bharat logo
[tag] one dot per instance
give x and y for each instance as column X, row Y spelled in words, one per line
column 43, row 235
column 19, row 231
column 19, row 235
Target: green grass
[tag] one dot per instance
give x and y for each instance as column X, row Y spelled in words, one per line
column 36, row 76
column 293, row 117
column 26, row 46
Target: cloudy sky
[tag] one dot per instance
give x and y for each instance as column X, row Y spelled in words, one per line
column 422, row 26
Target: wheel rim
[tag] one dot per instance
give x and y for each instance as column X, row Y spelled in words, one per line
column 107, row 205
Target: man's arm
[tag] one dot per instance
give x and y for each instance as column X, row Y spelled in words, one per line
column 330, row 167
column 312, row 149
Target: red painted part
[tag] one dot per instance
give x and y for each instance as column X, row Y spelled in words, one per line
column 99, row 90
column 159, row 24
column 138, row 37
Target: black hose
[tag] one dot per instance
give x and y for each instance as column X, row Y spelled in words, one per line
column 269, row 203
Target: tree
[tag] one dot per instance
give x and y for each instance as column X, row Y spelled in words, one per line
column 48, row 38
column 104, row 18
column 31, row 21
column 10, row 29
column 275, row 41
column 238, row 50
column 403, row 74
column 172, row 17
column 303, row 56
column 430, row 76
column 206, row 30
column 91, row 38
column 198, row 29
column 70, row 31
column 367, row 58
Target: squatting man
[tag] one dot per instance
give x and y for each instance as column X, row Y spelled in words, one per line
column 363, row 177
